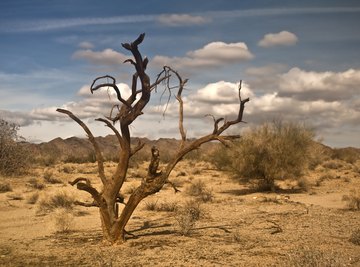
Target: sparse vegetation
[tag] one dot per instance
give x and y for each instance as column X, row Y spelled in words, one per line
column 353, row 199
column 5, row 187
column 333, row 164
column 271, row 152
column 163, row 206
column 13, row 155
column 306, row 256
column 199, row 190
column 63, row 220
column 58, row 200
column 348, row 155
column 48, row 177
column 33, row 198
column 187, row 216
column 355, row 237
column 34, row 183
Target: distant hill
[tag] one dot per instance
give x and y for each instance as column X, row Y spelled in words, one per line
column 79, row 150
column 76, row 149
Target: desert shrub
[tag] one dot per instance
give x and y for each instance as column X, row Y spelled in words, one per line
column 32, row 199
column 348, row 155
column 67, row 169
column 90, row 157
column 63, row 220
column 318, row 154
column 324, row 177
column 332, row 164
column 34, row 183
column 187, row 216
column 167, row 206
column 305, row 256
column 199, row 190
column 222, row 158
column 352, row 200
column 271, row 152
column 151, row 205
column 355, row 237
column 13, row 154
column 164, row 206
column 5, row 187
column 48, row 177
column 58, row 200
column 303, row 184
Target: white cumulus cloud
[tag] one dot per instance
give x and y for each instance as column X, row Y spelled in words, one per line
column 283, row 38
column 311, row 85
column 107, row 57
column 211, row 55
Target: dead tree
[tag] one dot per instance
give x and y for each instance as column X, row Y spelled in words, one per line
column 114, row 220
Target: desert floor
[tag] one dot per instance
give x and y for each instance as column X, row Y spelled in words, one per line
column 238, row 227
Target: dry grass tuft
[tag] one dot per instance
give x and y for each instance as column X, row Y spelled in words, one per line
column 48, row 177
column 164, row 206
column 5, row 187
column 34, row 183
column 187, row 216
column 352, row 200
column 355, row 237
column 58, row 200
column 305, row 256
column 32, row 199
column 332, row 164
column 199, row 190
column 63, row 220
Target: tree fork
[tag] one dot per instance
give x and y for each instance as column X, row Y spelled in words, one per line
column 114, row 220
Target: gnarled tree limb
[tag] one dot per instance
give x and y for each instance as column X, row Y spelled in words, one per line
column 99, row 156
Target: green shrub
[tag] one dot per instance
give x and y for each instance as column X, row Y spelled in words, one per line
column 276, row 151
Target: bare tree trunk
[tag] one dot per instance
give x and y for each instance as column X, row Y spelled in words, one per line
column 113, row 224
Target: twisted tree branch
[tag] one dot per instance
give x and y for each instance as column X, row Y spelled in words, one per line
column 99, row 156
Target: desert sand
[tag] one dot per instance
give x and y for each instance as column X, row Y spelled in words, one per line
column 237, row 226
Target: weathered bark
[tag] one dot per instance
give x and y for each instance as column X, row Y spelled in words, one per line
column 108, row 199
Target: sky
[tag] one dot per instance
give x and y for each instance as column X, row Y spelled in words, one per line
column 299, row 61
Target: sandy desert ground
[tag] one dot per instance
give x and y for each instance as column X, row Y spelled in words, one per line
column 237, row 226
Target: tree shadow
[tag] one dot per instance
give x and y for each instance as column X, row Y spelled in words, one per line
column 147, row 225
column 224, row 228
column 248, row 191
column 241, row 192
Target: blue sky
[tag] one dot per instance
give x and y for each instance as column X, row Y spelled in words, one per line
column 299, row 60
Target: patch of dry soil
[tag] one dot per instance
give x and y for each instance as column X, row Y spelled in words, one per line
column 238, row 228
